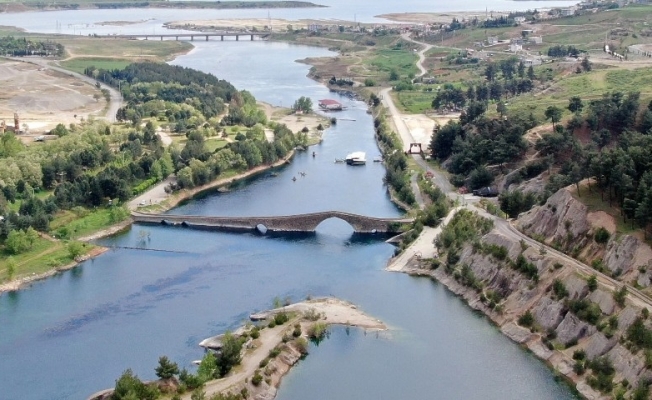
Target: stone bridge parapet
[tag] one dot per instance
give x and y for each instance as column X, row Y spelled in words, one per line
column 288, row 223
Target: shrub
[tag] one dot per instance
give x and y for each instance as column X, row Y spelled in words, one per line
column 639, row 335
column 592, row 282
column 274, row 352
column 559, row 289
column 620, row 296
column 311, row 315
column 526, row 319
column 317, row 330
column 585, row 310
column 281, row 318
column 579, row 355
column 302, row 345
column 255, row 333
column 601, row 235
column 263, row 363
column 603, row 375
column 297, row 331
column 256, row 379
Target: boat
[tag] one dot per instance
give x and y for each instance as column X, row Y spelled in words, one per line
column 339, row 160
column 356, row 158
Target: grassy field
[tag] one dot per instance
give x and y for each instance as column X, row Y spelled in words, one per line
column 154, row 50
column 43, row 256
column 71, row 225
column 214, row 144
column 81, row 63
column 588, row 86
column 414, row 102
column 401, row 61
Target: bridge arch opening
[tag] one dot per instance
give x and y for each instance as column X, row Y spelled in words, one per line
column 335, row 226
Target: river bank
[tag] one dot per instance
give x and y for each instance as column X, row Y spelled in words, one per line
column 18, row 7
column 25, row 281
column 270, row 353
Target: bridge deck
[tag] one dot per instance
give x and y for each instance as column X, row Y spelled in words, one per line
column 286, row 223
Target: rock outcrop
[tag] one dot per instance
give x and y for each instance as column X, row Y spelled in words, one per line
column 560, row 219
column 565, row 223
column 555, row 332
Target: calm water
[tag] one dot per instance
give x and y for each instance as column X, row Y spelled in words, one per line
column 73, row 334
column 150, row 21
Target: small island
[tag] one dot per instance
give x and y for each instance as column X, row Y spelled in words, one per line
column 251, row 361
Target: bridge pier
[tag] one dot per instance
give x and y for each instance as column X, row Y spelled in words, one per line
column 192, row 38
column 207, row 38
column 222, row 38
column 252, row 38
column 161, row 38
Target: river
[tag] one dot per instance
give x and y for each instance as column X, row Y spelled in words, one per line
column 68, row 336
column 150, row 21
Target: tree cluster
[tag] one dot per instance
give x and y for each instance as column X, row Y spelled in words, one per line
column 396, row 176
column 18, row 47
column 559, row 51
column 617, row 158
column 477, row 144
column 506, row 78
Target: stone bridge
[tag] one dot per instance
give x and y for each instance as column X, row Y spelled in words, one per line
column 288, row 223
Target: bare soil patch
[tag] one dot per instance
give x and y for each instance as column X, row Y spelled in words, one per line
column 602, row 219
column 43, row 98
column 295, row 122
column 437, row 18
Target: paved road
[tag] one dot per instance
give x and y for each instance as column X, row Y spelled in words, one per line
column 116, row 97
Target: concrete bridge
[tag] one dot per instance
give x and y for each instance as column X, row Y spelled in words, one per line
column 192, row 36
column 282, row 224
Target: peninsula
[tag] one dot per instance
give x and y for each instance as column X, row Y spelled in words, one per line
column 259, row 354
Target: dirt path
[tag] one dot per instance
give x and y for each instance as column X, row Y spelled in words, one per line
column 421, row 53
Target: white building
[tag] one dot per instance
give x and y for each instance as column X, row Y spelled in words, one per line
column 514, row 47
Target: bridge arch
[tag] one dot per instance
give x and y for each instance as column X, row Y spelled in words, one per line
column 335, row 224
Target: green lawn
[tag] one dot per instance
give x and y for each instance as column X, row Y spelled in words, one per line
column 401, row 61
column 414, row 102
column 81, row 63
column 67, row 224
column 214, row 144
column 42, row 257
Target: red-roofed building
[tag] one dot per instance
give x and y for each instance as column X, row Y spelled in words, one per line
column 330, row 105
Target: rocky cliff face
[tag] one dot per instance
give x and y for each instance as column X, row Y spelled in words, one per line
column 566, row 224
column 555, row 332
